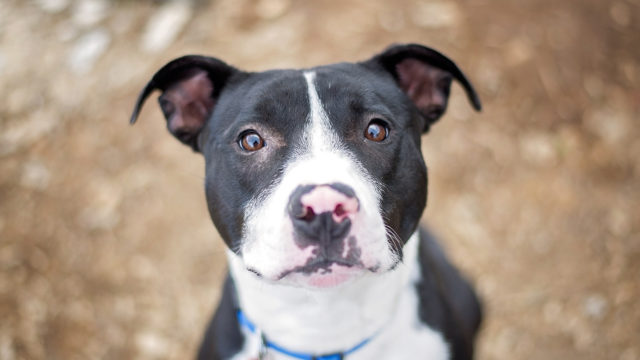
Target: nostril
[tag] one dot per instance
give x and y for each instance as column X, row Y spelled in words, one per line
column 307, row 214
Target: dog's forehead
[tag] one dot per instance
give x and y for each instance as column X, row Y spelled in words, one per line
column 280, row 99
column 273, row 98
column 349, row 91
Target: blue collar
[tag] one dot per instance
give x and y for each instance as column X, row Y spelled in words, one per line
column 266, row 344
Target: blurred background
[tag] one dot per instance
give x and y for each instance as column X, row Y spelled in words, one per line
column 106, row 248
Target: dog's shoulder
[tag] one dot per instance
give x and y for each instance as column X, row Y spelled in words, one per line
column 223, row 338
column 448, row 303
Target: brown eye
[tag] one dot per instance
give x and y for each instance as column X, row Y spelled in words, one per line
column 376, row 131
column 251, row 141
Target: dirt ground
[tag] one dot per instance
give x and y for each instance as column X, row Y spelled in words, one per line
column 106, row 249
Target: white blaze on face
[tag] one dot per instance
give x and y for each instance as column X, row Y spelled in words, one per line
column 268, row 246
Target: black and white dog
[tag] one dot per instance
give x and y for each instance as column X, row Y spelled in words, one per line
column 316, row 182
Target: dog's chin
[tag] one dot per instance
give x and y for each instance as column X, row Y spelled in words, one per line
column 328, row 276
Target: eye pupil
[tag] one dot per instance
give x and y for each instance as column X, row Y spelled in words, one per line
column 251, row 141
column 376, row 131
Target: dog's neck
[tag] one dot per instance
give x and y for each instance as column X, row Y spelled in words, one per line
column 323, row 320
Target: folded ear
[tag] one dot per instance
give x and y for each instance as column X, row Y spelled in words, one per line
column 190, row 86
column 425, row 75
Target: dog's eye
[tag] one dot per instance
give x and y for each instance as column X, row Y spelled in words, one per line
column 251, row 141
column 377, row 130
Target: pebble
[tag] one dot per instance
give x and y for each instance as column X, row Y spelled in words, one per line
column 52, row 6
column 620, row 13
column 87, row 50
column 595, row 306
column 611, row 125
column 165, row 24
column 436, row 14
column 102, row 211
column 271, row 9
column 151, row 344
column 618, row 222
column 24, row 133
column 87, row 13
column 538, row 149
column 35, row 176
column 490, row 77
column 7, row 351
column 518, row 51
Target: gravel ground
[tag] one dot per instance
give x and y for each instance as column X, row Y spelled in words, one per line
column 106, row 249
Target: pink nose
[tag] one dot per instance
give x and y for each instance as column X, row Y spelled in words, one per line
column 328, row 198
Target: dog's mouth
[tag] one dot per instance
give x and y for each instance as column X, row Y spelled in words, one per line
column 319, row 266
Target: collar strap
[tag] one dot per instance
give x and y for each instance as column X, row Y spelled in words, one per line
column 244, row 321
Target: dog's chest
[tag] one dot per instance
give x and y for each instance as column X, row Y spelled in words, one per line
column 388, row 315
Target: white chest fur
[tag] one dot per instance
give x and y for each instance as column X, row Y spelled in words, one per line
column 323, row 321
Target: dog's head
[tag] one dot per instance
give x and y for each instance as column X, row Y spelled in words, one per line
column 313, row 177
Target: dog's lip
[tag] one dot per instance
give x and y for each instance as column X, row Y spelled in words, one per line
column 317, row 265
column 320, row 264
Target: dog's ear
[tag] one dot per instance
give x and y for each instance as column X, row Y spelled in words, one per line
column 425, row 75
column 190, row 86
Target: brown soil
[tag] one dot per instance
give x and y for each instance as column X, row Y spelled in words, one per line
column 106, row 249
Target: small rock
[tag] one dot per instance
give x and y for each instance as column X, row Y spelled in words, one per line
column 620, row 13
column 152, row 344
column 436, row 14
column 89, row 12
column 595, row 306
column 271, row 9
column 538, row 149
column 619, row 223
column 35, row 176
column 25, row 133
column 610, row 124
column 52, row 6
column 518, row 51
column 87, row 50
column 7, row 351
column 102, row 212
column 490, row 77
column 630, row 71
column 165, row 25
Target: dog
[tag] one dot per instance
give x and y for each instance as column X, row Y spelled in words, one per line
column 316, row 182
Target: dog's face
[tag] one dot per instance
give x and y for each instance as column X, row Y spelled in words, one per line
column 313, row 177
